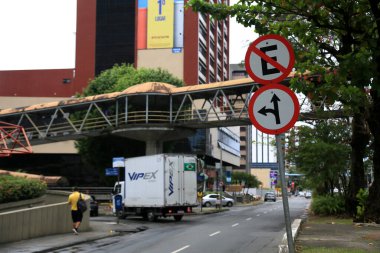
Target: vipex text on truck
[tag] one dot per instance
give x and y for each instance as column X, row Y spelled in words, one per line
column 159, row 186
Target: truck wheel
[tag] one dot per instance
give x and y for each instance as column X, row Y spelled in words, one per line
column 178, row 217
column 151, row 216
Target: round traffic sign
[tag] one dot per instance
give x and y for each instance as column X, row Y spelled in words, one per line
column 273, row 109
column 269, row 59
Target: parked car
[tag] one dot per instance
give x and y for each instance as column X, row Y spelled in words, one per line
column 270, row 196
column 308, row 194
column 94, row 206
column 212, row 200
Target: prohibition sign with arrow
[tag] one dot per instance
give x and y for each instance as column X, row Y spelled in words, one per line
column 273, row 109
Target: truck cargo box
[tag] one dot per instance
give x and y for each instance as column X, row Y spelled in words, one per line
column 160, row 180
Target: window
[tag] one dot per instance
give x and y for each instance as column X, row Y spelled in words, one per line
column 212, row 45
column 212, row 61
column 202, row 30
column 202, row 48
column 212, row 78
column 228, row 141
column 212, row 28
column 202, row 68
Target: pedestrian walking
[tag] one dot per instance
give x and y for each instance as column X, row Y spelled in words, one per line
column 76, row 214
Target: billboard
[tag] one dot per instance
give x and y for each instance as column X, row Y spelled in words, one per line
column 160, row 24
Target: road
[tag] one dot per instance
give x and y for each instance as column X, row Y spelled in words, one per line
column 241, row 229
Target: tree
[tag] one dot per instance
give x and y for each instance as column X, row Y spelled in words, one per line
column 322, row 153
column 120, row 77
column 328, row 35
column 99, row 151
column 250, row 181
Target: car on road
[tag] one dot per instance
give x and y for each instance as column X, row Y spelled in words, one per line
column 301, row 194
column 94, row 206
column 308, row 194
column 213, row 199
column 270, row 196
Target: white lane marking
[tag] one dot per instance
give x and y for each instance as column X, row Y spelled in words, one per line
column 257, row 214
column 265, row 212
column 217, row 232
column 249, row 218
column 236, row 224
column 178, row 250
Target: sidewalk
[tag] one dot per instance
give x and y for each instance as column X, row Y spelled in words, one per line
column 316, row 235
column 333, row 235
column 99, row 230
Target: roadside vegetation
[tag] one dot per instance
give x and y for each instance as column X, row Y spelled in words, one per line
column 18, row 188
column 337, row 51
column 98, row 151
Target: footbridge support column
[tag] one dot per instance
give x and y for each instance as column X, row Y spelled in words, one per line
column 153, row 147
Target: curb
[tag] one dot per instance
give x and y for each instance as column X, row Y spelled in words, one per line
column 283, row 247
column 94, row 238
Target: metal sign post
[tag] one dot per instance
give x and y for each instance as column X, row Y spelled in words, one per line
column 284, row 191
column 274, row 108
column 118, row 162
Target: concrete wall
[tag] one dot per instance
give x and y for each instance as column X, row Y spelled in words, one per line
column 39, row 221
column 162, row 58
column 262, row 175
column 12, row 206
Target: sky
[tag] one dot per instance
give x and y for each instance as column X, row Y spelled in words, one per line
column 29, row 42
column 240, row 38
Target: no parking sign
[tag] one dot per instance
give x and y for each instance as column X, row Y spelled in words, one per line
column 269, row 59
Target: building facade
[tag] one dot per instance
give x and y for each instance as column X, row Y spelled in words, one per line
column 146, row 33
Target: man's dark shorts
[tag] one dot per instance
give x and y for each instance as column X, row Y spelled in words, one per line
column 76, row 216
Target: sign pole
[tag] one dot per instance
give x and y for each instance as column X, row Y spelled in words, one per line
column 284, row 190
column 118, row 162
column 221, row 178
column 118, row 187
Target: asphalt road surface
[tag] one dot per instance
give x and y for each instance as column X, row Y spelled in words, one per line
column 241, row 229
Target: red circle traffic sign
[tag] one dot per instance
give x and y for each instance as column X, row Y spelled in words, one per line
column 273, row 109
column 269, row 59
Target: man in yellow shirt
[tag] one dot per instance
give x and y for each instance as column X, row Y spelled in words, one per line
column 76, row 215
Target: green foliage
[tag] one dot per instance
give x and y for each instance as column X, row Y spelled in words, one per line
column 99, row 151
column 362, row 198
column 251, row 181
column 322, row 153
column 337, row 51
column 328, row 205
column 123, row 76
column 17, row 188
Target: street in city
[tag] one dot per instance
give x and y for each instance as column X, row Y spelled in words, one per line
column 241, row 229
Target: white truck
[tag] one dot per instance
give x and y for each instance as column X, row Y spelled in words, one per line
column 158, row 186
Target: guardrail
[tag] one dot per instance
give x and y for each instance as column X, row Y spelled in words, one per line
column 101, row 194
column 39, row 221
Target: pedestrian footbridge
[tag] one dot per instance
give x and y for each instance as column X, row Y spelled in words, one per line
column 148, row 112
